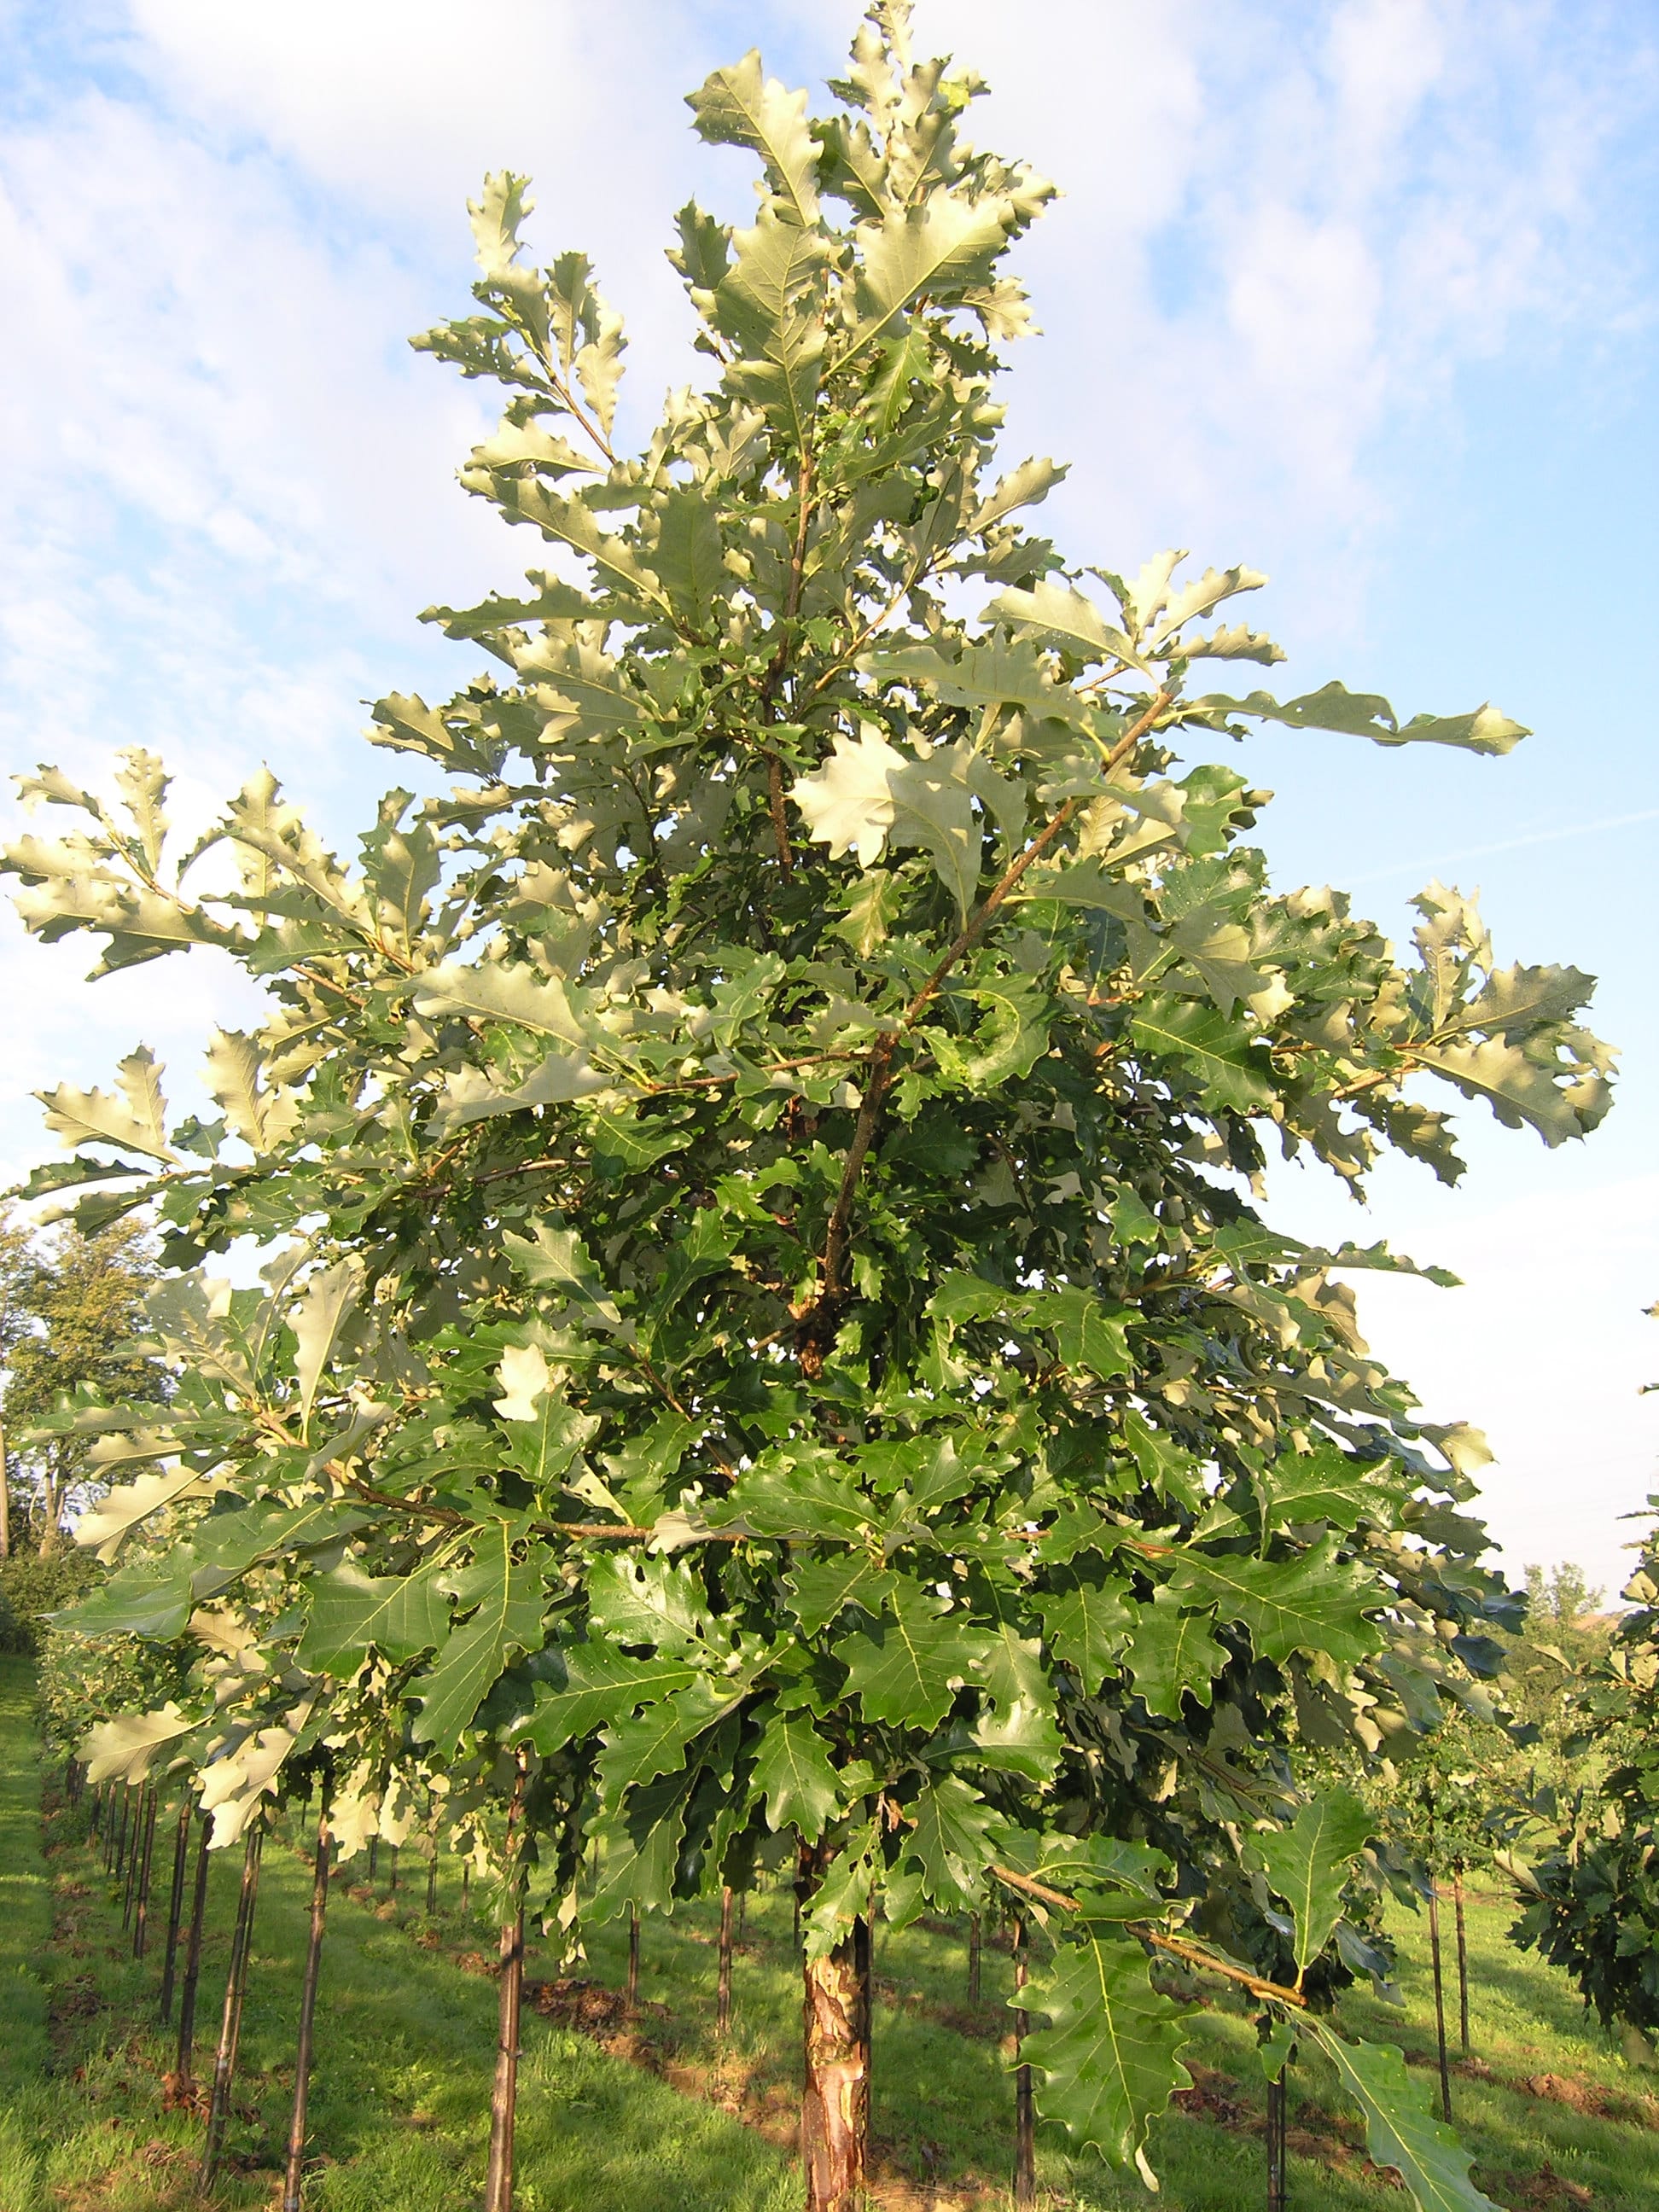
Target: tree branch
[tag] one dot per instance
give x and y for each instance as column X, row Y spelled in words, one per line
column 1190, row 1953
column 980, row 919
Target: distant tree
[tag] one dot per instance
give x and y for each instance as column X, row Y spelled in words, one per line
column 1563, row 1596
column 71, row 1305
column 1592, row 1898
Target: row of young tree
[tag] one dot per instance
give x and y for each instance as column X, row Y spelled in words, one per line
column 769, row 1347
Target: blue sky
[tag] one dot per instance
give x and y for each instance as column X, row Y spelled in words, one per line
column 1362, row 293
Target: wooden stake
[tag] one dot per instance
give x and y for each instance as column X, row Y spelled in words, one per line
column 633, row 1954
column 120, row 1857
column 503, row 2102
column 373, row 1857
column 230, row 2024
column 723, row 1990
column 140, row 1908
column 131, row 1842
column 1439, row 2000
column 1278, row 2128
column 296, row 2134
column 1463, row 1960
column 974, row 1942
column 1024, row 2109
column 193, row 1965
column 175, row 1905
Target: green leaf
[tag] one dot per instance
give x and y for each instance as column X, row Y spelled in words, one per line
column 137, row 1120
column 1172, row 1652
column 954, row 1838
column 1321, row 1485
column 351, row 1613
column 578, row 1687
column 1213, row 1048
column 1088, row 1335
column 1109, row 2060
column 868, row 791
column 688, row 555
column 1007, row 1043
column 656, row 1742
column 1086, row 1626
column 1519, row 1089
column 793, row 1772
column 1313, row 1603
column 1364, row 714
column 555, row 1259
column 147, row 1598
column 742, row 107
column 1401, row 2130
column 509, row 1602
column 820, row 1590
column 653, row 1602
column 317, row 1319
column 1308, row 1863
column 769, row 306
column 908, row 1666
column 503, row 991
column 939, row 248
column 640, row 1849
column 1062, row 613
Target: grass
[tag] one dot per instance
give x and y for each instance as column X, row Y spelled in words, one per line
column 651, row 2111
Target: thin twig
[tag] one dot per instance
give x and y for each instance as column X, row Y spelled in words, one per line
column 1190, row 1953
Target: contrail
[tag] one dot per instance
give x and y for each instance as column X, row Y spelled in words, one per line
column 1510, row 845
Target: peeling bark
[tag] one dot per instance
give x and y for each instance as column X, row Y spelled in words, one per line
column 834, row 2123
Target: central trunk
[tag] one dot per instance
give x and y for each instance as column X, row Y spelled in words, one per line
column 835, row 2121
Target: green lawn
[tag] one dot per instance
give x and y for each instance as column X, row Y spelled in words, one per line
column 653, row 2113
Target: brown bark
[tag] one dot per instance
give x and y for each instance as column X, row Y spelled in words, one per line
column 296, row 2134
column 193, row 1965
column 120, row 1859
column 1024, row 2109
column 140, row 1902
column 723, row 1992
column 974, row 1940
column 1462, row 1961
column 1439, row 2001
column 230, row 2023
column 835, row 2121
column 175, row 1905
column 633, row 1954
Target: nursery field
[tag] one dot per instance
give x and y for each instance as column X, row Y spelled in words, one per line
column 648, row 2109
